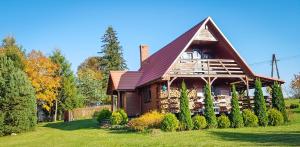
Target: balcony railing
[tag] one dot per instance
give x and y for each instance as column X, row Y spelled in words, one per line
column 207, row 67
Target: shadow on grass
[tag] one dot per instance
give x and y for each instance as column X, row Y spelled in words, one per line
column 74, row 125
column 276, row 138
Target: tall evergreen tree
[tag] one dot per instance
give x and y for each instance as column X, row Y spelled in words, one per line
column 17, row 99
column 13, row 52
column 209, row 112
column 112, row 54
column 67, row 98
column 278, row 100
column 185, row 113
column 235, row 115
column 260, row 108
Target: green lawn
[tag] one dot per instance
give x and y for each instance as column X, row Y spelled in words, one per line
column 87, row 133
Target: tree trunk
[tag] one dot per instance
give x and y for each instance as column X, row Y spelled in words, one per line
column 55, row 113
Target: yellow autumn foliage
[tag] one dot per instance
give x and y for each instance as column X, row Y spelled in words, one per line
column 151, row 119
column 42, row 74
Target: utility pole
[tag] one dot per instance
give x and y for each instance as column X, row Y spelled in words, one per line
column 274, row 62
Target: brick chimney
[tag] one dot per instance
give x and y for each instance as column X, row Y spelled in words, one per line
column 144, row 53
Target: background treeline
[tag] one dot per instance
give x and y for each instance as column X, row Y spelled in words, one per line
column 35, row 87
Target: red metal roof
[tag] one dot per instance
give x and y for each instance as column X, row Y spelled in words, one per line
column 157, row 64
column 124, row 80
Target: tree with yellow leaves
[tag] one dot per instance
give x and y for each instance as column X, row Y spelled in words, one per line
column 42, row 74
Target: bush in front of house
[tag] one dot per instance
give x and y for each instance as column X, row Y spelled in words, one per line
column 250, row 119
column 223, row 121
column 235, row 115
column 275, row 117
column 1, row 124
column 185, row 112
column 124, row 116
column 116, row 118
column 169, row 123
column 278, row 100
column 294, row 106
column 148, row 120
column 209, row 112
column 199, row 122
column 260, row 108
column 104, row 114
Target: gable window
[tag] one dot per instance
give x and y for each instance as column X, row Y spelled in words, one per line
column 146, row 94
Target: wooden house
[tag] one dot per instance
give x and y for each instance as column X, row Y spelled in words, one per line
column 202, row 55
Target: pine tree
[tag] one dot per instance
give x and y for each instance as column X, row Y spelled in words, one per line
column 17, row 99
column 235, row 115
column 260, row 108
column 67, row 98
column 112, row 54
column 209, row 112
column 278, row 100
column 185, row 113
column 13, row 52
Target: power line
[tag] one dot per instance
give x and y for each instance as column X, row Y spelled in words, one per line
column 280, row 59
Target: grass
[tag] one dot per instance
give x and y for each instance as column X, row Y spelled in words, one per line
column 87, row 133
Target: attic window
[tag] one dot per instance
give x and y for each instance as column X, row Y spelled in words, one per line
column 206, row 27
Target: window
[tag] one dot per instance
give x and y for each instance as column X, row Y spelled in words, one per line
column 146, row 94
column 187, row 55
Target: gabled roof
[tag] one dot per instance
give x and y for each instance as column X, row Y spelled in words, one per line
column 157, row 65
column 124, row 80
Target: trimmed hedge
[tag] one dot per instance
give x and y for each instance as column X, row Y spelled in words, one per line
column 275, row 117
column 169, row 123
column 103, row 115
column 223, row 121
column 250, row 119
column 199, row 122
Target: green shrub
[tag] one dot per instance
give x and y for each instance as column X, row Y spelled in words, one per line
column 185, row 113
column 260, row 108
column 199, row 122
column 235, row 115
column 116, row 118
column 103, row 115
column 250, row 119
column 294, row 106
column 169, row 123
column 275, row 117
column 278, row 100
column 124, row 116
column 209, row 112
column 223, row 121
column 146, row 121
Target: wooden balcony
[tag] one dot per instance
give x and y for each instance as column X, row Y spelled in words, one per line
column 210, row 67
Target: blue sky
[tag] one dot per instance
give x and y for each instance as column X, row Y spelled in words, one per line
column 255, row 28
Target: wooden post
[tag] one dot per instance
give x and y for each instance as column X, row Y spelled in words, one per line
column 119, row 100
column 247, row 92
column 112, row 103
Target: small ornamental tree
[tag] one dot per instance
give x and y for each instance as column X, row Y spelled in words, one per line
column 17, row 99
column 209, row 112
column 260, row 108
column 185, row 113
column 278, row 101
column 235, row 115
